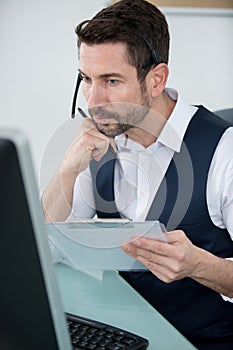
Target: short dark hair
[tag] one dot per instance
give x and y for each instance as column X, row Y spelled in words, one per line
column 136, row 23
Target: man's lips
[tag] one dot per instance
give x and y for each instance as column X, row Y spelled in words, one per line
column 103, row 120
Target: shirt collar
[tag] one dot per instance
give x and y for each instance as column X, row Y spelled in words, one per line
column 173, row 131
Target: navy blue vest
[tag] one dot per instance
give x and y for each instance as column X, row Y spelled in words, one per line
column 195, row 310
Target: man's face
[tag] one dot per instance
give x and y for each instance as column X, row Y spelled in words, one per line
column 116, row 100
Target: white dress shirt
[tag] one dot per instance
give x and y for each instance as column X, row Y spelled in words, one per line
column 138, row 177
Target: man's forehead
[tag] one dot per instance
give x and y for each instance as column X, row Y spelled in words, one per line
column 111, row 56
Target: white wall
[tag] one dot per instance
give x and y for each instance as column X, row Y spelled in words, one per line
column 201, row 55
column 38, row 62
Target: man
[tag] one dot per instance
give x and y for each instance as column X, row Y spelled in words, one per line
column 147, row 155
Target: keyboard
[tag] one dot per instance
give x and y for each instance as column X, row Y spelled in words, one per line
column 90, row 334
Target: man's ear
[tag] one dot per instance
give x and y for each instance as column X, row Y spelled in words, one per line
column 157, row 79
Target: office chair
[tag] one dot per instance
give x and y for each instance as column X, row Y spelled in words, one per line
column 225, row 114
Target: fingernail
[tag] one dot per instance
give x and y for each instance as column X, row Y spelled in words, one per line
column 127, row 249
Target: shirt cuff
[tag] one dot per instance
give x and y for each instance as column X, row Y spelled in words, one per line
column 223, row 296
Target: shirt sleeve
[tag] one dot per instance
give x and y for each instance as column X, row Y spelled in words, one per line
column 83, row 206
column 220, row 187
column 220, row 184
column 223, row 296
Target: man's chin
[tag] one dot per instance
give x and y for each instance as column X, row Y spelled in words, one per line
column 112, row 130
column 108, row 129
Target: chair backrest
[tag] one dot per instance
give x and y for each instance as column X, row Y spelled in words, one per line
column 226, row 114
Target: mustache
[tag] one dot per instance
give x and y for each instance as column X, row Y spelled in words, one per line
column 103, row 113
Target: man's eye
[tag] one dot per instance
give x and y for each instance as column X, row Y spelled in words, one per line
column 86, row 79
column 112, row 81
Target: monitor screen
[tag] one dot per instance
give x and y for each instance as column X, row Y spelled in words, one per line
column 25, row 318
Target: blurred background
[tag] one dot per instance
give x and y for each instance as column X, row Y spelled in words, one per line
column 38, row 61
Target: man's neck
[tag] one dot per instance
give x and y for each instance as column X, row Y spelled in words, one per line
column 149, row 129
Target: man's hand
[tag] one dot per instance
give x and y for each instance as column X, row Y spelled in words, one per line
column 88, row 144
column 169, row 261
column 179, row 258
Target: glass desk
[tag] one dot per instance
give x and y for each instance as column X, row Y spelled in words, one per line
column 106, row 297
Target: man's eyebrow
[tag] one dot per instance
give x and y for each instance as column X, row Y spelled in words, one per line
column 105, row 75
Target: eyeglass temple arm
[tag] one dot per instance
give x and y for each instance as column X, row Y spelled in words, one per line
column 75, row 96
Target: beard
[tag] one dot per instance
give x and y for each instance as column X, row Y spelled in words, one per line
column 122, row 116
column 113, row 129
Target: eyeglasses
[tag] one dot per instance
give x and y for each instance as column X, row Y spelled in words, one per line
column 75, row 95
column 153, row 61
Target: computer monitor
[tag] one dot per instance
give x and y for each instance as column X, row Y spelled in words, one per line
column 31, row 315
